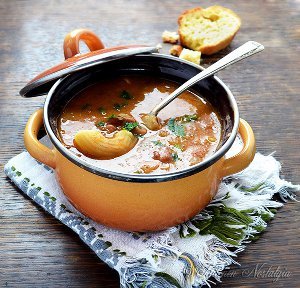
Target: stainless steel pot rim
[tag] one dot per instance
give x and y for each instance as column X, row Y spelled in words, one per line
column 143, row 177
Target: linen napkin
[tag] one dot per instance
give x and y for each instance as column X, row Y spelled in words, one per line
column 193, row 254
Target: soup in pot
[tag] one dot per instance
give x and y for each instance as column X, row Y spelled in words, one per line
column 103, row 125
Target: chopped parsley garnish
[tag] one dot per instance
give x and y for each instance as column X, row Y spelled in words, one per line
column 157, row 143
column 119, row 106
column 100, row 124
column 176, row 128
column 130, row 125
column 175, row 156
column 102, row 110
column 112, row 116
column 125, row 95
column 189, row 118
column 86, row 106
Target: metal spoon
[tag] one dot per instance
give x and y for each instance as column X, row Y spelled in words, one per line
column 244, row 51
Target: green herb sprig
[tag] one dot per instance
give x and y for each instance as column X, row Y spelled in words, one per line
column 100, row 124
column 126, row 95
column 102, row 110
column 175, row 156
column 111, row 116
column 176, row 128
column 189, row 118
column 130, row 125
column 119, row 106
column 158, row 143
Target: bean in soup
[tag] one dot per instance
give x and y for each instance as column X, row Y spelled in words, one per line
column 110, row 113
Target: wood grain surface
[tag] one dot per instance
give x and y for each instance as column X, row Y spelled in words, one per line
column 38, row 251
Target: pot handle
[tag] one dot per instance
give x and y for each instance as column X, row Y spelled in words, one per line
column 243, row 159
column 71, row 42
column 35, row 148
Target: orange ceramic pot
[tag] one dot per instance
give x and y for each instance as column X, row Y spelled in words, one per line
column 138, row 202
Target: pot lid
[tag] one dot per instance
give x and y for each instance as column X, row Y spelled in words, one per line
column 75, row 61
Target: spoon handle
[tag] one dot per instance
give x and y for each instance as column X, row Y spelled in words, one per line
column 244, row 51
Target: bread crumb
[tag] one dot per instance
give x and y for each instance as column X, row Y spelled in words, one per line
column 176, row 50
column 170, row 37
column 190, row 55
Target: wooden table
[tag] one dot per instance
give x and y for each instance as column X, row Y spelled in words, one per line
column 38, row 251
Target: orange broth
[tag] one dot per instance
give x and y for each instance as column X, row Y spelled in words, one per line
column 190, row 131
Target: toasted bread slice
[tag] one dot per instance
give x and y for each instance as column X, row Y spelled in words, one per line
column 208, row 30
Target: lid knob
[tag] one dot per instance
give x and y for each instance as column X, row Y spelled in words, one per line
column 72, row 39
